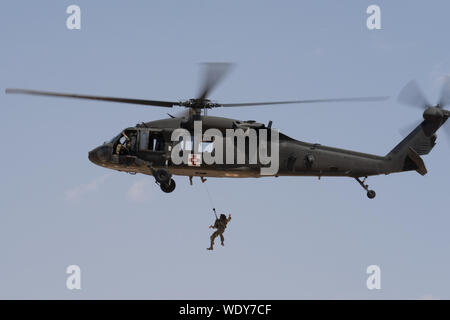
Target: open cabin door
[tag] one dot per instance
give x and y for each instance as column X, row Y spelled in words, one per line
column 154, row 146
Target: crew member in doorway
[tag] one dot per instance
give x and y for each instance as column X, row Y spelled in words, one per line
column 124, row 144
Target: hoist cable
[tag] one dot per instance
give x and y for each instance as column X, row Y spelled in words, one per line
column 210, row 200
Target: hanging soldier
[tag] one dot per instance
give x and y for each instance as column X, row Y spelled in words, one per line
column 220, row 225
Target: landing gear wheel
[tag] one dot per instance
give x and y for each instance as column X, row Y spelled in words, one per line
column 162, row 176
column 168, row 187
column 371, row 194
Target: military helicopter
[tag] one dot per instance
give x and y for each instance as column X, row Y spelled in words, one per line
column 147, row 147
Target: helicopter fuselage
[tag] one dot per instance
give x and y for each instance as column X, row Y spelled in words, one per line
column 151, row 150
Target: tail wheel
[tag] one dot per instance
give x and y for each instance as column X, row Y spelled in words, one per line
column 168, row 187
column 371, row 194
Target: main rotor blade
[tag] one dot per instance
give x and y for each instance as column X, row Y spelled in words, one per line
column 359, row 99
column 445, row 93
column 156, row 103
column 412, row 95
column 212, row 74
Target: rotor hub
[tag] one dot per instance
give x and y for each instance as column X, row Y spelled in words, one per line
column 196, row 103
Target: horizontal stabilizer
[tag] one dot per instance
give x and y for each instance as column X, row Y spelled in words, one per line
column 414, row 157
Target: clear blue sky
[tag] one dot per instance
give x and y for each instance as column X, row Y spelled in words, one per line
column 289, row 237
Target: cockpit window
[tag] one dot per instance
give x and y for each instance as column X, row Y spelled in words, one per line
column 125, row 142
column 115, row 138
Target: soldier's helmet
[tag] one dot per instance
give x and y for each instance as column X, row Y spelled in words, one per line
column 223, row 217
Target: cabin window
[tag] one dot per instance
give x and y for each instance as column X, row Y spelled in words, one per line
column 156, row 142
column 204, row 146
column 207, row 146
column 144, row 140
column 186, row 145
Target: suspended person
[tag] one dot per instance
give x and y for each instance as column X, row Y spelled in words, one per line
column 220, row 224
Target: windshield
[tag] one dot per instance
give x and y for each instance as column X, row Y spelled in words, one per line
column 115, row 138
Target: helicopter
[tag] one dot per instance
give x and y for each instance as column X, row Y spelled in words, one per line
column 148, row 148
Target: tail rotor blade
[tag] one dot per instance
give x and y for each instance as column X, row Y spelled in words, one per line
column 447, row 132
column 445, row 93
column 412, row 95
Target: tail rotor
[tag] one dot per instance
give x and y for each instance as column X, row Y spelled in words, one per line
column 413, row 96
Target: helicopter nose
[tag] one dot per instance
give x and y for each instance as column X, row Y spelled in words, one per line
column 92, row 155
column 100, row 154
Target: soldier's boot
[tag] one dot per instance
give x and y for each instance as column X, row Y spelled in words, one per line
column 210, row 248
column 222, row 243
